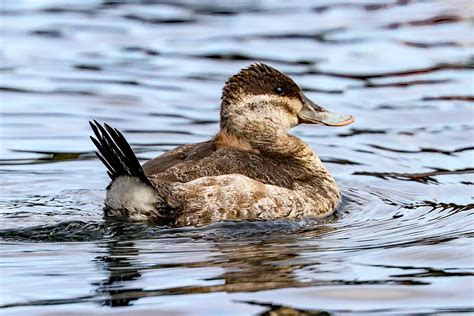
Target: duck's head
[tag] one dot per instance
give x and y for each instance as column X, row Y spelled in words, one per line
column 260, row 99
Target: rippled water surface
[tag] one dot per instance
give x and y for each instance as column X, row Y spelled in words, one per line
column 401, row 241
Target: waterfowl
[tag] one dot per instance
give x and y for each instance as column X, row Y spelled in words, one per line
column 253, row 169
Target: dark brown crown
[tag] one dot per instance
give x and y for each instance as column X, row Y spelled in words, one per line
column 259, row 79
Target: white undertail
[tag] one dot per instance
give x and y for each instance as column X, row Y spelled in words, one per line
column 130, row 194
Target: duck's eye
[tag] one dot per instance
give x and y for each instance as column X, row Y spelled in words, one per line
column 279, row 90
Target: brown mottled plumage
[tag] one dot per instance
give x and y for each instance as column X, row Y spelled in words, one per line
column 252, row 169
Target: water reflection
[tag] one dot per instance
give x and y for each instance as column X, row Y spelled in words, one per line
column 120, row 263
column 247, row 267
column 250, row 266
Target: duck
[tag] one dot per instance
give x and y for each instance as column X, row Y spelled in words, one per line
column 252, row 169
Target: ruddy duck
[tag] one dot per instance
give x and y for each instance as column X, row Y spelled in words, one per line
column 251, row 170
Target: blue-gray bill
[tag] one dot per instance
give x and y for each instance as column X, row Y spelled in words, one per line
column 311, row 113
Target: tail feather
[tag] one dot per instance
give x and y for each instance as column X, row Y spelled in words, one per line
column 115, row 153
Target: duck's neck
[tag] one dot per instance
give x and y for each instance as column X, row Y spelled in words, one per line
column 269, row 142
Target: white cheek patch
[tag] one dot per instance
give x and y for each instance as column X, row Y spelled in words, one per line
column 294, row 103
column 266, row 110
column 261, row 98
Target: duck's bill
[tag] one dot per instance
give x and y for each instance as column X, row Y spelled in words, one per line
column 312, row 113
column 327, row 118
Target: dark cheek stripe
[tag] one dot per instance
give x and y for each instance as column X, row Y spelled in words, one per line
column 288, row 108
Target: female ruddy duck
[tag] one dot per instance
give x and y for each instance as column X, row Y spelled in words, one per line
column 252, row 168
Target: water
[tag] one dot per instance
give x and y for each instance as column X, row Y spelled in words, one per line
column 401, row 242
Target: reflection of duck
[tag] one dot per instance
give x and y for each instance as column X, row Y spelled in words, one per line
column 244, row 267
column 252, row 169
column 119, row 263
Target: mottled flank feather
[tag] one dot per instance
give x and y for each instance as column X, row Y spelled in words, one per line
column 235, row 197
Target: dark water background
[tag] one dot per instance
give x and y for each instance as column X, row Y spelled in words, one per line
column 401, row 241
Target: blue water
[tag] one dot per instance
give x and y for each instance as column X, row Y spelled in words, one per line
column 401, row 241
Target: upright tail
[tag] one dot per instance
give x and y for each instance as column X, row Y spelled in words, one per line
column 115, row 153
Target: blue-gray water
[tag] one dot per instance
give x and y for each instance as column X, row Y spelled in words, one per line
column 401, row 242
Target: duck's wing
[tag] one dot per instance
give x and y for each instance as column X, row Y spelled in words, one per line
column 178, row 155
column 236, row 185
column 204, row 161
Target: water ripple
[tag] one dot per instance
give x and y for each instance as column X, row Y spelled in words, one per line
column 399, row 243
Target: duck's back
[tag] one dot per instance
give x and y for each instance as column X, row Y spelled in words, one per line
column 177, row 156
column 194, row 161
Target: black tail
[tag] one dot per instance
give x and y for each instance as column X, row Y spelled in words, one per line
column 115, row 152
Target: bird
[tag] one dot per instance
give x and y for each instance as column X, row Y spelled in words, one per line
column 252, row 169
